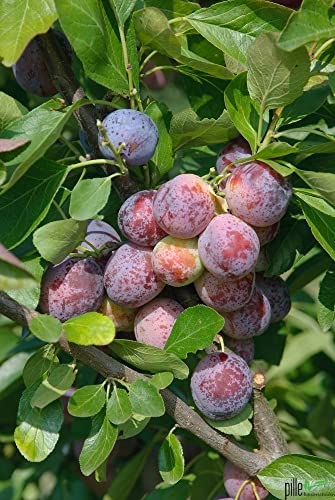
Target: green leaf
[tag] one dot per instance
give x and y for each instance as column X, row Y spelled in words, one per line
column 90, row 329
column 242, row 110
column 275, row 150
column 232, row 26
column 41, row 127
column 326, row 312
column 38, row 364
column 275, row 77
column 240, row 425
column 59, row 380
column 38, row 431
column 123, row 9
column 128, row 476
column 102, row 60
column 307, row 269
column 46, row 328
column 294, row 238
column 272, row 350
column 320, row 217
column 319, row 18
column 98, row 445
column 11, row 371
column 148, row 358
column 57, row 239
column 87, row 401
column 118, row 407
column 322, row 182
column 25, row 199
column 171, row 460
column 13, row 274
column 153, row 30
column 194, row 329
column 10, row 110
column 163, row 156
column 309, row 102
column 8, row 341
column 145, row 399
column 188, row 130
column 162, row 380
column 21, row 21
column 316, row 474
column 88, row 197
column 173, row 8
column 132, row 427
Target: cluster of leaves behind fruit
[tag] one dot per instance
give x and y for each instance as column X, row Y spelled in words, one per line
column 278, row 70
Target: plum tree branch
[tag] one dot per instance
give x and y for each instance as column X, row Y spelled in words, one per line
column 59, row 68
column 184, row 416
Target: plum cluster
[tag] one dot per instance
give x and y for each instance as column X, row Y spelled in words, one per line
column 175, row 238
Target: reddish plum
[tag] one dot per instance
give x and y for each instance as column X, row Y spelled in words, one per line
column 292, row 4
column 221, row 385
column 267, row 233
column 252, row 319
column 234, row 478
column 176, row 262
column 154, row 322
column 258, row 194
column 73, row 287
column 234, row 150
column 229, row 247
column 277, row 293
column 243, row 348
column 129, row 277
column 123, row 317
column 136, row 219
column 224, row 295
column 183, row 206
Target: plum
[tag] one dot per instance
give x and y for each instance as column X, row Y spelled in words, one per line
column 71, row 288
column 31, row 71
column 277, row 293
column 100, row 234
column 257, row 194
column 221, row 385
column 262, row 263
column 267, row 233
column 176, row 262
column 183, row 206
column 234, row 150
column 224, row 295
column 228, row 247
column 136, row 219
column 134, row 129
column 252, row 319
column 234, row 477
column 292, row 4
column 154, row 322
column 123, row 317
column 243, row 348
column 129, row 278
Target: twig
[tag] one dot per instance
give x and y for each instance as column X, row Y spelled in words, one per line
column 183, row 415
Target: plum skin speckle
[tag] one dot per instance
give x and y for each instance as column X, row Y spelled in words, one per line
column 133, row 128
column 221, row 385
column 154, row 321
column 129, row 277
column 136, row 219
column 71, row 288
column 183, row 206
column 229, row 247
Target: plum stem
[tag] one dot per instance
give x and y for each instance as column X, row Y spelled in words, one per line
column 59, row 210
column 147, row 59
column 241, row 488
column 183, row 415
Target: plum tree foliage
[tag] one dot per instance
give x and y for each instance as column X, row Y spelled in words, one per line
column 167, row 229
